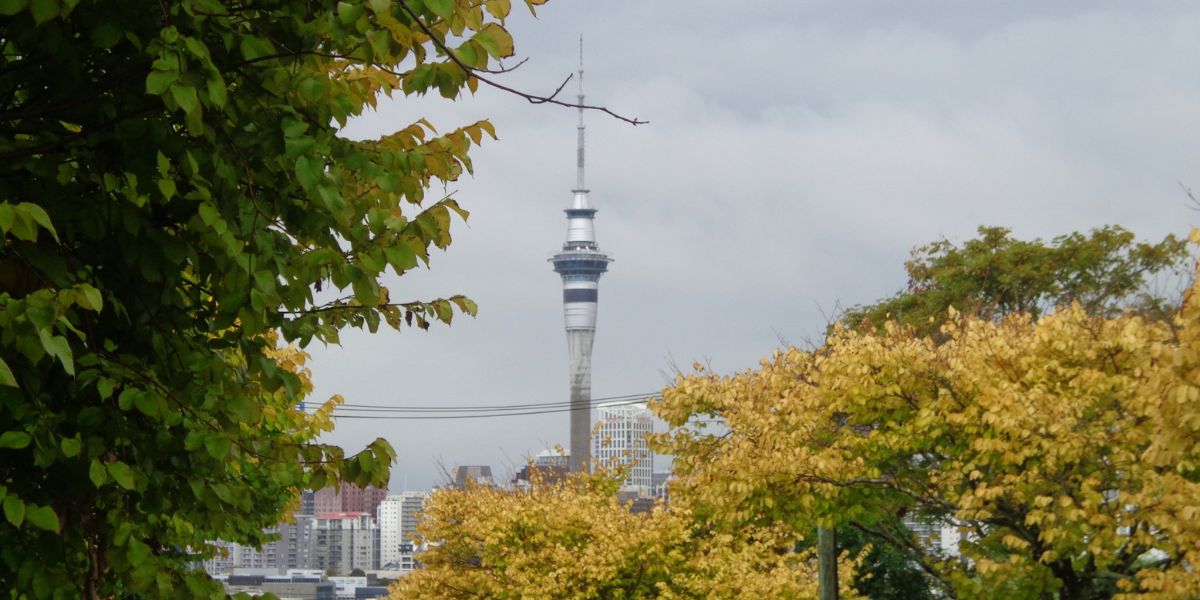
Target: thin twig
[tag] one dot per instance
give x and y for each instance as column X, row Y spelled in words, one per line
column 532, row 98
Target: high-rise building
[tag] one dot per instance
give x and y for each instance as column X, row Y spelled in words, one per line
column 580, row 263
column 398, row 518
column 342, row 542
column 348, row 497
column 621, row 431
column 292, row 549
column 551, row 458
column 480, row 474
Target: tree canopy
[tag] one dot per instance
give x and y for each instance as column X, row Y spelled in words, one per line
column 1064, row 449
column 1106, row 271
column 572, row 540
column 176, row 208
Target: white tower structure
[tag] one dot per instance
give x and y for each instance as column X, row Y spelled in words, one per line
column 580, row 263
column 621, row 431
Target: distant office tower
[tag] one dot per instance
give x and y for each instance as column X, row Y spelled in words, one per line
column 342, row 542
column 551, row 458
column 621, row 431
column 411, row 505
column 398, row 519
column 659, row 486
column 548, row 467
column 481, row 474
column 294, row 543
column 307, row 502
column 347, row 497
column 580, row 263
column 937, row 536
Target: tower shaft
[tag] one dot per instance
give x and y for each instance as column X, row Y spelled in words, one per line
column 580, row 263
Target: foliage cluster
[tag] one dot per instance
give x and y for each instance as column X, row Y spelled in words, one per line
column 1106, row 271
column 175, row 205
column 573, row 540
column 1063, row 448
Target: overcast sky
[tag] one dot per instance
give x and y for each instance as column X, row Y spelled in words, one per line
column 796, row 152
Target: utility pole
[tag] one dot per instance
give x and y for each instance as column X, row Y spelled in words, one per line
column 827, row 576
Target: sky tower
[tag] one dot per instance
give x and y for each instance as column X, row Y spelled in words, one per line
column 580, row 263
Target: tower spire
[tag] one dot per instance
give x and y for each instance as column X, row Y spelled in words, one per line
column 579, row 180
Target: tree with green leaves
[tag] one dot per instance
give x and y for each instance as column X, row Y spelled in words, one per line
column 994, row 275
column 176, row 209
column 1065, row 449
column 1105, row 270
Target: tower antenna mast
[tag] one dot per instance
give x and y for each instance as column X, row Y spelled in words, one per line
column 579, row 157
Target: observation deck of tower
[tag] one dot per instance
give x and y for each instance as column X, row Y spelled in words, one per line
column 580, row 263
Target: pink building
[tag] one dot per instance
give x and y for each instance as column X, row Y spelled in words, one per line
column 348, row 498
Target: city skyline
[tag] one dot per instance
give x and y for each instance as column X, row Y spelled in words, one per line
column 809, row 189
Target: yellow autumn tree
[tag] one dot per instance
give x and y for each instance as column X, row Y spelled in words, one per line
column 572, row 539
column 1065, row 451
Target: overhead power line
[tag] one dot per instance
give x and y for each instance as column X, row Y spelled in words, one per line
column 494, row 407
column 378, row 411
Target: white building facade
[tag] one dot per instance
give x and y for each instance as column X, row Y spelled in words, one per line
column 342, row 542
column 398, row 517
column 619, row 440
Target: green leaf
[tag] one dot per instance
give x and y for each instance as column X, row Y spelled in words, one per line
column 14, row 439
column 106, row 35
column 222, row 492
column 58, row 347
column 293, row 127
column 104, row 387
column 208, row 213
column 12, row 7
column 216, row 90
column 495, row 40
column 122, row 474
column 441, row 8
column 44, row 10
column 163, row 163
column 6, row 375
column 39, row 216
column 366, row 291
column 14, row 510
column 196, row 47
column 71, row 447
column 138, row 552
column 308, row 171
column 466, row 53
column 167, row 187
column 254, row 48
column 185, row 96
column 125, row 400
column 217, row 446
column 89, row 297
column 97, row 473
column 157, row 82
column 401, row 257
column 349, row 13
column 147, row 404
column 43, row 517
column 7, row 215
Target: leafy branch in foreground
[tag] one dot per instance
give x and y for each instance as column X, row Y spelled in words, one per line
column 176, row 211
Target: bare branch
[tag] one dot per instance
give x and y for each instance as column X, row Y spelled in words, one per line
column 1195, row 204
column 532, row 98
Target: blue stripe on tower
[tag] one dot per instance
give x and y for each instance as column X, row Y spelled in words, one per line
column 580, row 295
